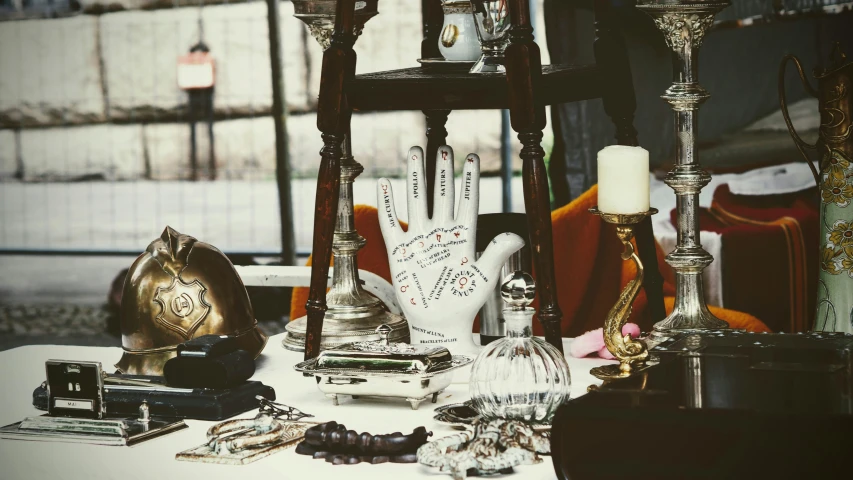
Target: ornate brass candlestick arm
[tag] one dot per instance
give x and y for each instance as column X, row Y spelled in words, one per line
column 684, row 23
column 631, row 353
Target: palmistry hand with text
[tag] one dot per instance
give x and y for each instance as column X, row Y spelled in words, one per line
column 439, row 284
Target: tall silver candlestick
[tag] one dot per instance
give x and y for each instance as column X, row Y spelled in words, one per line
column 352, row 313
column 684, row 24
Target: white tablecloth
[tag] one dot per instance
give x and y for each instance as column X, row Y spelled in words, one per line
column 22, row 370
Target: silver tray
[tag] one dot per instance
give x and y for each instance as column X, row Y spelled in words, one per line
column 129, row 431
column 461, row 416
column 414, row 386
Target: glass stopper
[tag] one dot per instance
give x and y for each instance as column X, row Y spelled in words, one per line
column 518, row 290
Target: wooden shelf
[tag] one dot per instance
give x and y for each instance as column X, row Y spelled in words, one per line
column 421, row 88
column 437, row 93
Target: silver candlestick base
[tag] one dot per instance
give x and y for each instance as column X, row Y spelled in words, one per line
column 684, row 24
column 352, row 314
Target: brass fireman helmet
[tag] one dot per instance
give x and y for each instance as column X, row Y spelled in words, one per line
column 179, row 289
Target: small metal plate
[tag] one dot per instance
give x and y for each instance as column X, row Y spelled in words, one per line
column 204, row 454
column 100, row 432
column 613, row 372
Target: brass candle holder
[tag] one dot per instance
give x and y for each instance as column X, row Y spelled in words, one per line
column 633, row 355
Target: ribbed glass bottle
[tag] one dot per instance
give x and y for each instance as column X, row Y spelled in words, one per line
column 520, row 377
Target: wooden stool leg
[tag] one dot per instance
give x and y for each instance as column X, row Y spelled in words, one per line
column 333, row 117
column 527, row 117
column 537, row 204
column 619, row 104
column 432, row 16
column 325, row 213
column 436, row 134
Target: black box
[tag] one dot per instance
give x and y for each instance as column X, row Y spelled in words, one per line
column 199, row 404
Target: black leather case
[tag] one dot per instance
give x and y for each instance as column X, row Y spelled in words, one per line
column 199, row 404
column 226, row 371
column 733, row 405
column 209, row 346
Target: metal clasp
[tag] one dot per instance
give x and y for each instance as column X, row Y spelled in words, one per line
column 278, row 410
column 383, row 331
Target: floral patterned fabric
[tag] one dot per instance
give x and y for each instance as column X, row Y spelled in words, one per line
column 835, row 291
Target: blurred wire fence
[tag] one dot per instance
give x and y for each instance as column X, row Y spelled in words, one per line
column 100, row 149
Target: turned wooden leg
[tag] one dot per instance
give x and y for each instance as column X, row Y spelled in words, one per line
column 333, row 117
column 433, row 20
column 538, row 206
column 436, row 134
column 527, row 117
column 325, row 214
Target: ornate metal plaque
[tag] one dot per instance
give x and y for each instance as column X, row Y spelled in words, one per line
column 183, row 308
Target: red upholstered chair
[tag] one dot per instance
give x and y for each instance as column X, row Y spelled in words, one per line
column 590, row 272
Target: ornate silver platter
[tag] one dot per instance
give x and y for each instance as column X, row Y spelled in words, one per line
column 361, row 377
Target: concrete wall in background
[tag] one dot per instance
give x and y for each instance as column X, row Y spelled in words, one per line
column 50, row 72
column 96, row 95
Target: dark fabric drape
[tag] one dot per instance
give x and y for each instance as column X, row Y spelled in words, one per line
column 737, row 66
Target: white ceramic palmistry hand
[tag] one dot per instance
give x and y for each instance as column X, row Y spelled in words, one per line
column 439, row 285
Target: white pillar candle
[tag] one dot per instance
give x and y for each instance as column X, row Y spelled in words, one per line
column 623, row 179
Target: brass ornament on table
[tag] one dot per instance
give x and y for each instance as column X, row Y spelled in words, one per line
column 684, row 24
column 487, row 448
column 631, row 353
column 180, row 289
column 352, row 314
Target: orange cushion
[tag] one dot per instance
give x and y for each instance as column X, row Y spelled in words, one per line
column 590, row 272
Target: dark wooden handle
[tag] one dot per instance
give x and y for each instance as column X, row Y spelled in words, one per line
column 527, row 117
column 333, row 117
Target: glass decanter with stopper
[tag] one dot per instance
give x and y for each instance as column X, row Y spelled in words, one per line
column 519, row 377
